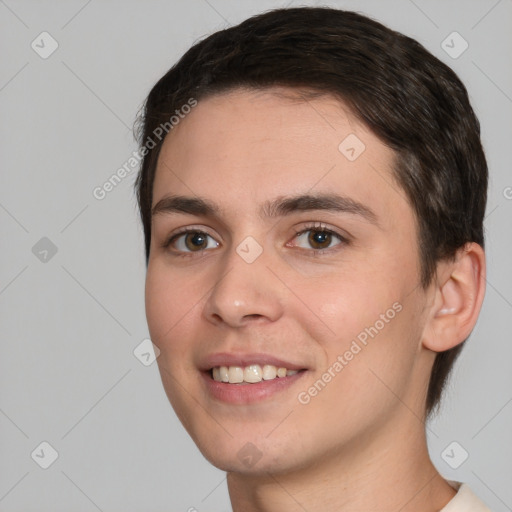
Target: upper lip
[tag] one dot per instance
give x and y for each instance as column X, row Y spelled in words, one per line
column 246, row 359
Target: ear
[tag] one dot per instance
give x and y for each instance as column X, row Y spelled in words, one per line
column 459, row 289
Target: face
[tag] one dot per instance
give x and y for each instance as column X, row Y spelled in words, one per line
column 253, row 272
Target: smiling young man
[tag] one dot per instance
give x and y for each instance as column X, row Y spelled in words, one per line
column 312, row 195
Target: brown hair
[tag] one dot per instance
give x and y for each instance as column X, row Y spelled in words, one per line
column 410, row 99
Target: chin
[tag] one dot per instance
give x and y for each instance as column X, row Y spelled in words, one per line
column 258, row 457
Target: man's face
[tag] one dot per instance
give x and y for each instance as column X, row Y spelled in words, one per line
column 339, row 301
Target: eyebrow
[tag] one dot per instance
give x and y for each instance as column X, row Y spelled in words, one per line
column 278, row 207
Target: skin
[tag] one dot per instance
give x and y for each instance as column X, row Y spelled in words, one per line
column 360, row 443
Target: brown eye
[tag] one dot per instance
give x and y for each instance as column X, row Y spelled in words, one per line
column 196, row 240
column 319, row 239
column 192, row 241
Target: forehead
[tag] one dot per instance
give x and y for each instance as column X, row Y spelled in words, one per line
column 244, row 147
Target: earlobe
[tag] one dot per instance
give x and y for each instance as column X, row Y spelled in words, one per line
column 459, row 293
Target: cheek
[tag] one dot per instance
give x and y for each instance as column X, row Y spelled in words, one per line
column 373, row 325
column 361, row 381
column 352, row 302
column 159, row 304
column 169, row 311
column 378, row 352
column 169, row 304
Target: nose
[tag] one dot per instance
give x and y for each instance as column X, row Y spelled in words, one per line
column 245, row 293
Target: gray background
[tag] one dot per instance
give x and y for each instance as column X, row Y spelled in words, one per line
column 69, row 325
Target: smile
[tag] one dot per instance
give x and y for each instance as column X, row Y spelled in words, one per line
column 250, row 374
column 248, row 377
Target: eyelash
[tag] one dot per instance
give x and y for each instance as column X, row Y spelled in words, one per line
column 319, row 227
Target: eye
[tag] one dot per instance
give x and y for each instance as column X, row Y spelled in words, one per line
column 316, row 237
column 319, row 237
column 190, row 241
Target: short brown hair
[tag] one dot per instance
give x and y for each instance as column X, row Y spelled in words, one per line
column 407, row 97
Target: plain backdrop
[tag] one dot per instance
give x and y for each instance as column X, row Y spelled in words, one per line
column 72, row 266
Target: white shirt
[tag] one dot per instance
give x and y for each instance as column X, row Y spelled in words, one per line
column 465, row 500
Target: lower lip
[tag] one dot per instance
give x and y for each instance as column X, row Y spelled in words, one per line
column 249, row 393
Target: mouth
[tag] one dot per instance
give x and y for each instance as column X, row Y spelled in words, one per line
column 247, row 378
column 250, row 374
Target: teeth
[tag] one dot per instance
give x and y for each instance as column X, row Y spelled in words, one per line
column 250, row 374
column 269, row 372
column 236, row 374
column 223, row 374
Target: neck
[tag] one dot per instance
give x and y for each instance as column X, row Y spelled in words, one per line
column 385, row 470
